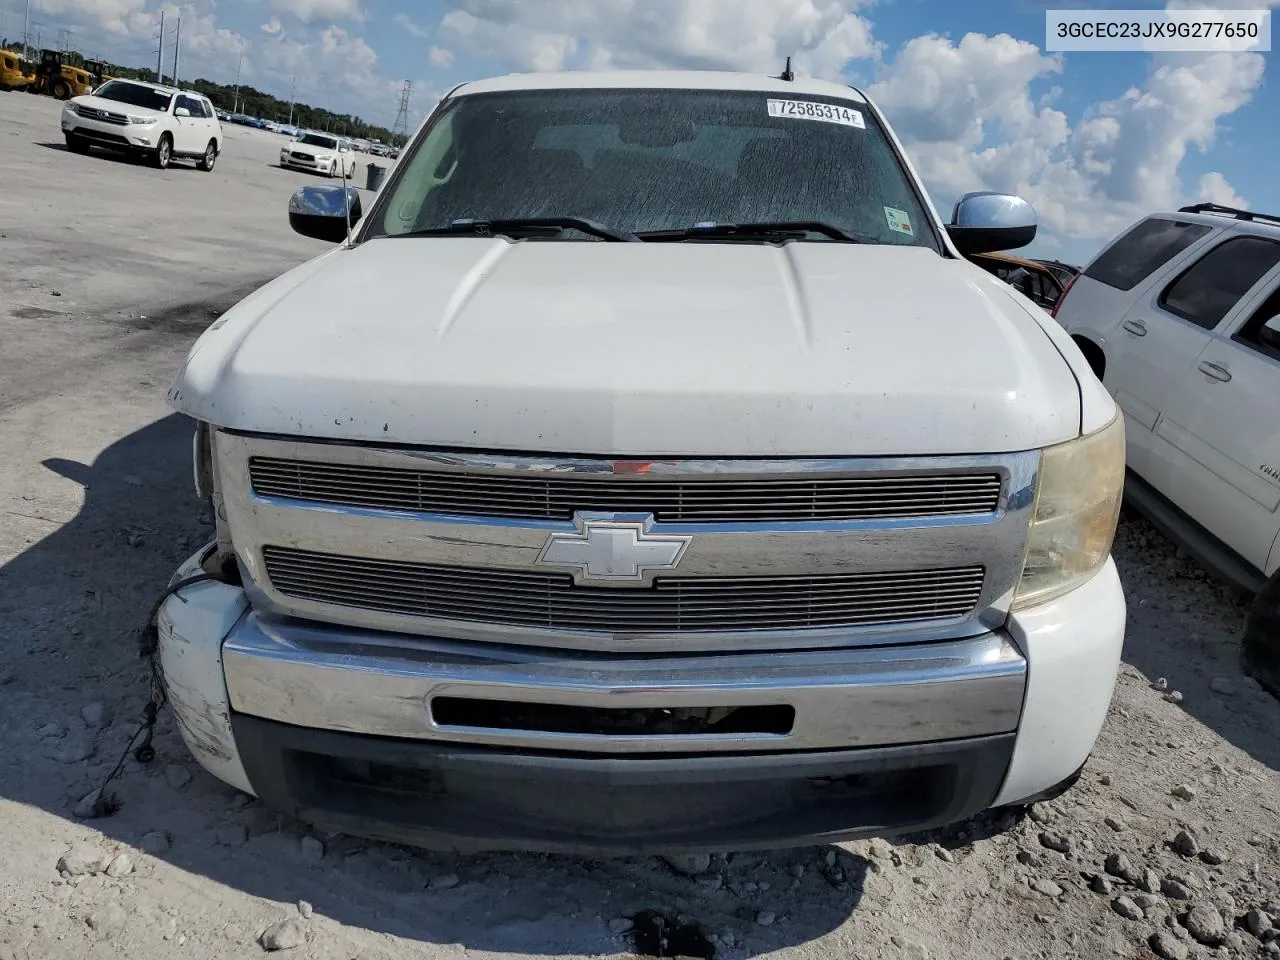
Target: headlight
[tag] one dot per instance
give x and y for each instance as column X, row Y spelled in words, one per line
column 1077, row 505
column 142, row 121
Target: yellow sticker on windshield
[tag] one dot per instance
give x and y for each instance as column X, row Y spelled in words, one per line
column 898, row 220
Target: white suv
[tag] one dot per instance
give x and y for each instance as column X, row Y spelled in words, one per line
column 1180, row 317
column 159, row 122
column 320, row 153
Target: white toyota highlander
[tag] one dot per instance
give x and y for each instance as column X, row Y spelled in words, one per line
column 157, row 122
column 648, row 470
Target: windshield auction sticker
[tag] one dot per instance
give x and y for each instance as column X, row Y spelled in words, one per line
column 812, row 110
column 898, row 220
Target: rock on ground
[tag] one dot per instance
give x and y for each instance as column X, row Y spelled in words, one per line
column 690, row 865
column 1168, row 946
column 1257, row 922
column 284, row 935
column 1046, row 887
column 155, row 842
column 1186, row 844
column 121, row 865
column 81, row 861
column 1206, row 925
column 1126, row 908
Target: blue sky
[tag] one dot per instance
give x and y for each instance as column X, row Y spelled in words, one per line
column 1094, row 140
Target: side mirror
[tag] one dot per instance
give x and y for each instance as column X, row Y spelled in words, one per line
column 320, row 211
column 1270, row 333
column 985, row 221
column 182, row 112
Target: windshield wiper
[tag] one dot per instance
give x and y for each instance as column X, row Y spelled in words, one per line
column 751, row 231
column 515, row 227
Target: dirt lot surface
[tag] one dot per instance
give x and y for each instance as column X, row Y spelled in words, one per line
column 1169, row 845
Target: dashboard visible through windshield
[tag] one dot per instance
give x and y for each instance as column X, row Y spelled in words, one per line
column 642, row 161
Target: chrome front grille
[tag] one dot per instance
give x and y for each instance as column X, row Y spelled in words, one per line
column 688, row 500
column 778, row 554
column 106, row 116
column 677, row 605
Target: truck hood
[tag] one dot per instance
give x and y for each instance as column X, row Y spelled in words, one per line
column 680, row 349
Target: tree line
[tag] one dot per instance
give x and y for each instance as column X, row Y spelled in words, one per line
column 252, row 102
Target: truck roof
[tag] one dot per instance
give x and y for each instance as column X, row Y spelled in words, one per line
column 660, row 79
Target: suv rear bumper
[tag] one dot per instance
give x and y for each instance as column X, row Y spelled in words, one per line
column 339, row 727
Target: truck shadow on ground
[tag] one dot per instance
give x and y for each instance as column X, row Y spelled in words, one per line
column 1166, row 591
column 72, row 604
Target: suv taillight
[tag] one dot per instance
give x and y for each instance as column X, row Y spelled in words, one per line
column 1065, row 290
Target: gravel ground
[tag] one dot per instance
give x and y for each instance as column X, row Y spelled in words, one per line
column 1169, row 845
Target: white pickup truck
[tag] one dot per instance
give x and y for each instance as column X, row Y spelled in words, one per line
column 648, row 470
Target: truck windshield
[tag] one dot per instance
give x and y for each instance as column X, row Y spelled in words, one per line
column 639, row 161
column 134, row 94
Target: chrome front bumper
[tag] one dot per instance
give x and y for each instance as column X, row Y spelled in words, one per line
column 336, row 726
column 328, row 678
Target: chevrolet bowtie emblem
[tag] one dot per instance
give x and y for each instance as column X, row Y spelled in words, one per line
column 607, row 549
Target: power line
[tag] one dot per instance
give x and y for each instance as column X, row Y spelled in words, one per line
column 401, row 127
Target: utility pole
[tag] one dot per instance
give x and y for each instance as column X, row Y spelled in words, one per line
column 293, row 87
column 26, row 33
column 177, row 46
column 160, row 54
column 235, row 102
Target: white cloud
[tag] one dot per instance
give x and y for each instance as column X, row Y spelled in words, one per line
column 272, row 28
column 966, row 113
column 440, row 57
column 1213, row 187
column 309, row 10
column 111, row 15
column 822, row 35
column 409, row 26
